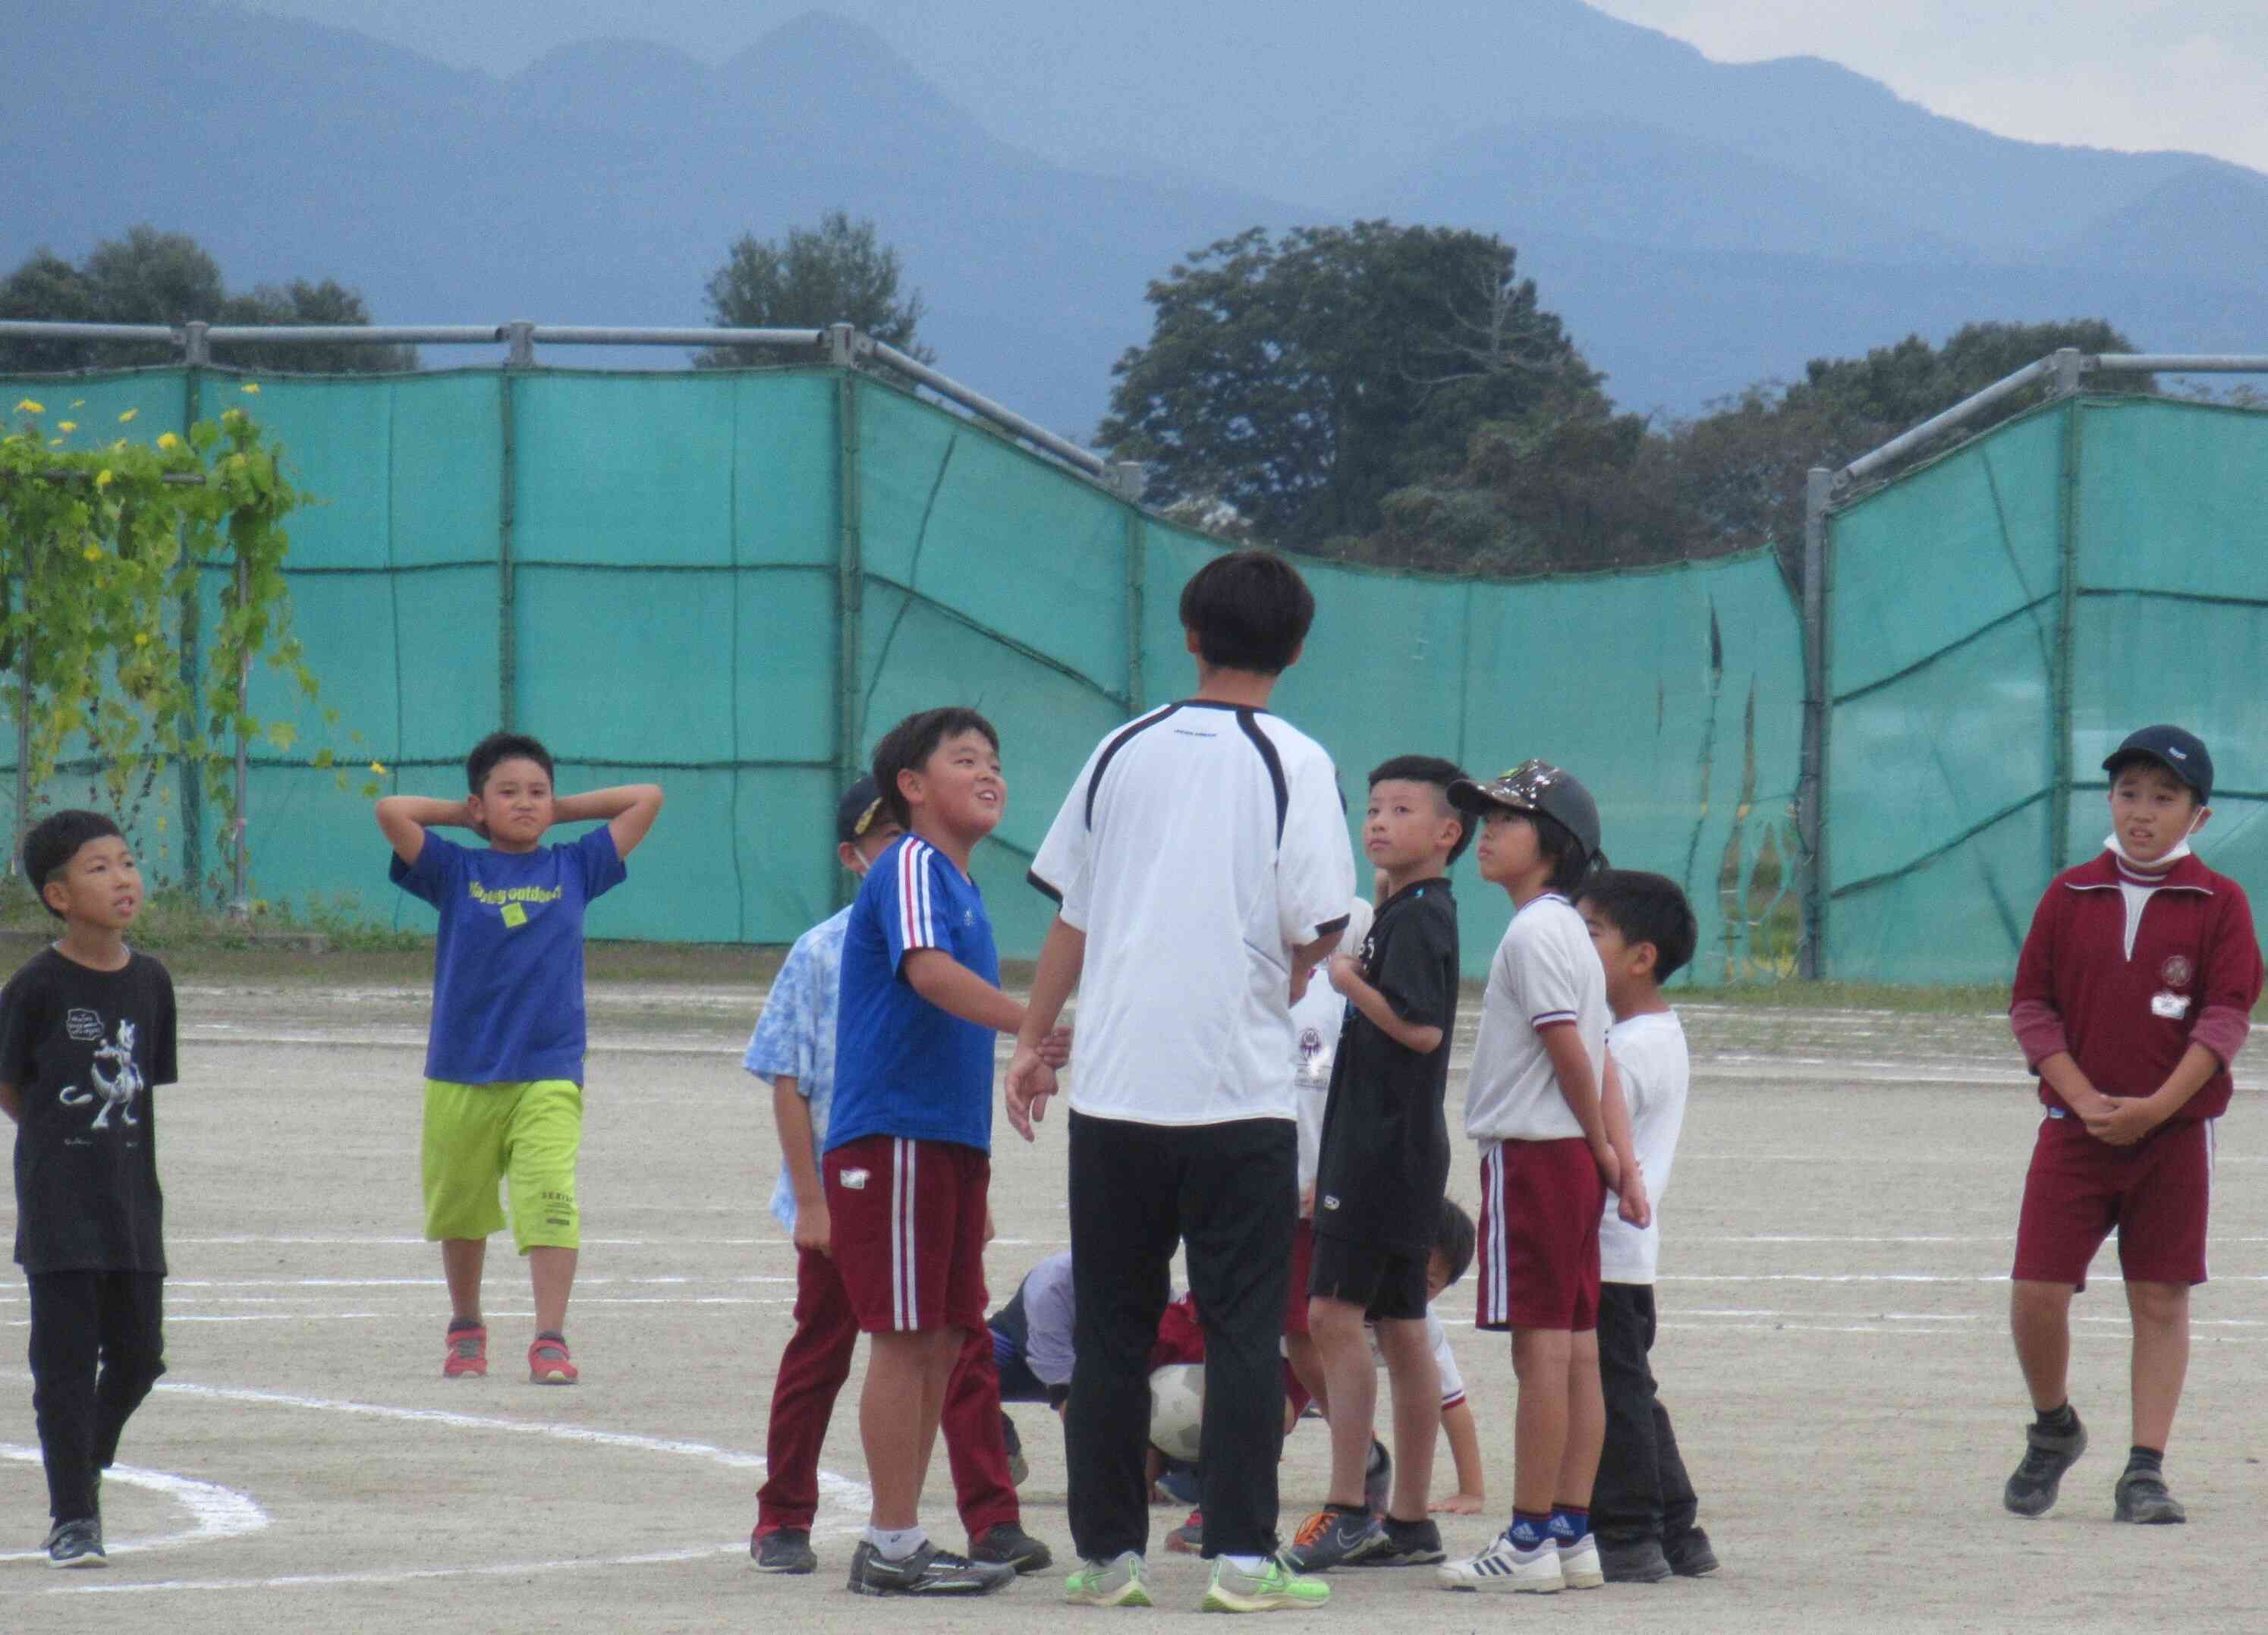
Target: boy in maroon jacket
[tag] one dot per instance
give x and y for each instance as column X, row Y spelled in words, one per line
column 2132, row 995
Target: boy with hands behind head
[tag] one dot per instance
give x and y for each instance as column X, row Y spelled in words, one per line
column 504, row 1067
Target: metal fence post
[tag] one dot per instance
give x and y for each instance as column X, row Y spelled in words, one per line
column 23, row 722
column 2069, row 365
column 1812, row 951
column 195, row 354
column 850, row 582
column 2066, row 635
column 240, row 901
column 519, row 343
column 507, row 518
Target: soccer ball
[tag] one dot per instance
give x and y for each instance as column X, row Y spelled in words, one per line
column 1177, row 1409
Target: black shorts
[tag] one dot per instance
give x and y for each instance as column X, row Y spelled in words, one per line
column 1388, row 1284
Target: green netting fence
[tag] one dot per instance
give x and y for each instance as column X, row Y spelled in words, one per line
column 734, row 582
column 1998, row 621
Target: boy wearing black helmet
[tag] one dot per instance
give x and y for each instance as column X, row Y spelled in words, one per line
column 1543, row 1103
column 2132, row 995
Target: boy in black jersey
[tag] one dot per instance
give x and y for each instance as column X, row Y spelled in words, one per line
column 1383, row 1171
column 87, row 1030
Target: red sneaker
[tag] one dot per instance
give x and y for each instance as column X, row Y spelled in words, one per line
column 467, row 1354
column 548, row 1362
column 1189, row 1538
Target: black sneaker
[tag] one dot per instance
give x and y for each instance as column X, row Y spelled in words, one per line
column 783, row 1549
column 2031, row 1492
column 1637, row 1561
column 1013, row 1443
column 1006, row 1544
column 929, row 1571
column 76, row 1544
column 1333, row 1537
column 1688, row 1554
column 2141, row 1496
column 1408, row 1544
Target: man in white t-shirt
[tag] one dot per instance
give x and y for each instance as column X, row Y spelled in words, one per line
column 1642, row 1504
column 1202, row 867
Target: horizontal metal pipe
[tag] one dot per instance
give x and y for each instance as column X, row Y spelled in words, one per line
column 2180, row 363
column 589, row 334
column 40, row 329
column 1966, row 409
column 945, row 386
column 354, row 334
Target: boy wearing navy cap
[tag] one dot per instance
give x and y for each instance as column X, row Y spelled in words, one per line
column 2133, row 993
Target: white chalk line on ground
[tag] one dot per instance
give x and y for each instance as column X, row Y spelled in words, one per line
column 851, row 1494
column 216, row 1513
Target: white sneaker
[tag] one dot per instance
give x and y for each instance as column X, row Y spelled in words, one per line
column 1579, row 1562
column 1504, row 1566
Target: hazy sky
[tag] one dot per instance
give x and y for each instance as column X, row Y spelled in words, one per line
column 2106, row 73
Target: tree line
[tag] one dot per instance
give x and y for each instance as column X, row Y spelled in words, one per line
column 1392, row 394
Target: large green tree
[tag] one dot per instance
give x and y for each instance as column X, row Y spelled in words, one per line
column 153, row 277
column 838, row 272
column 1302, row 379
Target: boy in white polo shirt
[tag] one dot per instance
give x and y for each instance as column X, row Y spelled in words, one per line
column 1643, row 1504
column 1202, row 869
column 1543, row 1103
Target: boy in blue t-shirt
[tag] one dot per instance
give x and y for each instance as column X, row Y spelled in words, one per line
column 504, row 1062
column 908, row 1142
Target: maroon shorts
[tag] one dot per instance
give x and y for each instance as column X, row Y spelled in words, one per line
column 2156, row 1193
column 1303, row 1258
column 1539, row 1235
column 909, row 1221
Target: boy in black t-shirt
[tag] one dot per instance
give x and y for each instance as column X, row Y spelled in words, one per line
column 87, row 1030
column 1383, row 1171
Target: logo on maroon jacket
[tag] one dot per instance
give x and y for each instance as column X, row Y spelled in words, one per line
column 2178, row 970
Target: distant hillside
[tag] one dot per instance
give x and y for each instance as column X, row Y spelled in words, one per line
column 1700, row 225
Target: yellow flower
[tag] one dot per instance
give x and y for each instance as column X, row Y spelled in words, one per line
column 169, row 442
column 27, row 407
column 128, row 415
column 103, row 478
column 141, row 638
column 251, row 388
column 67, row 425
column 230, row 417
column 93, row 553
column 378, row 767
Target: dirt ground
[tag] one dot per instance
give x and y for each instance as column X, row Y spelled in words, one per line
column 1834, row 1351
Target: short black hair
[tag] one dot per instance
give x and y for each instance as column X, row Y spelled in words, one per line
column 1648, row 908
column 1572, row 867
column 499, row 747
column 1440, row 773
column 908, row 747
column 1454, row 1237
column 55, row 840
column 1250, row 610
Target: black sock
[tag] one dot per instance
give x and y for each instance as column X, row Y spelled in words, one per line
column 2150, row 1459
column 2058, row 1421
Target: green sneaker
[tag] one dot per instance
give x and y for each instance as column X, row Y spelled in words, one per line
column 1271, row 1589
column 1122, row 1583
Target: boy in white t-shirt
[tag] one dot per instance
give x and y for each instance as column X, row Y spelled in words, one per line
column 1543, row 1103
column 1642, row 1505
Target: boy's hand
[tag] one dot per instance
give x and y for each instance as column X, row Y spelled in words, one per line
column 2122, row 1121
column 1633, row 1205
column 1055, row 1048
column 815, row 1228
column 1459, row 1504
column 1346, row 973
column 1029, row 1083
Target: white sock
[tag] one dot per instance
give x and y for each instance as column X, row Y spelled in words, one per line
column 895, row 1544
column 1254, row 1564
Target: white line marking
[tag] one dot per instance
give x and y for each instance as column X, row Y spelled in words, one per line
column 403, row 1575
column 217, row 1512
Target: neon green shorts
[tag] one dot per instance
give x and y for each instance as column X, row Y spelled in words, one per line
column 525, row 1134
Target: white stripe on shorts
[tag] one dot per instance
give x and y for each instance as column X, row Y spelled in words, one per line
column 1498, row 1291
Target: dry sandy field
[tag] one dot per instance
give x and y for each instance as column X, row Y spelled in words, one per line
column 1834, row 1350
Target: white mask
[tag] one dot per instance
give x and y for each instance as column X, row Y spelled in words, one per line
column 2111, row 844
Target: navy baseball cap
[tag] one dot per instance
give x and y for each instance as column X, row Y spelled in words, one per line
column 860, row 805
column 2182, row 753
column 1536, row 787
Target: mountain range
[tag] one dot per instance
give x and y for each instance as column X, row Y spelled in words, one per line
column 1700, row 225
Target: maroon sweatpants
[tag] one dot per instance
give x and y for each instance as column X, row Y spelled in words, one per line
column 811, row 1370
